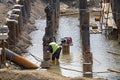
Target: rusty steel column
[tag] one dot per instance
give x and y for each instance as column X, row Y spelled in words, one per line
column 84, row 26
column 47, row 38
column 52, row 16
column 55, row 4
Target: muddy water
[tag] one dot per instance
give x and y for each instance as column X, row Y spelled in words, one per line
column 71, row 64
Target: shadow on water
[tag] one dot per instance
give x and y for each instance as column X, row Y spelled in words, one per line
column 71, row 64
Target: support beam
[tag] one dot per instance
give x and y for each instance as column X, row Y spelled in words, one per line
column 84, row 27
column 55, row 4
column 47, row 38
column 52, row 16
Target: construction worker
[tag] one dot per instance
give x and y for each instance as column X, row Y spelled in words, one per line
column 55, row 49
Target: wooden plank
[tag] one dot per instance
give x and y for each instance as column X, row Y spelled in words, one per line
column 108, row 15
column 65, row 12
column 72, row 13
column 95, row 31
column 117, row 54
column 114, row 70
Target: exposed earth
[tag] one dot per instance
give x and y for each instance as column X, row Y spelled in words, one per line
column 37, row 11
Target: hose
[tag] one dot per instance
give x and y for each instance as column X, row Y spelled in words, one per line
column 35, row 57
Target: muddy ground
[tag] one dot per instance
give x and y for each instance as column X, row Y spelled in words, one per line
column 6, row 74
column 37, row 12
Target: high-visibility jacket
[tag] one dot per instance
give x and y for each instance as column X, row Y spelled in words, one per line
column 54, row 46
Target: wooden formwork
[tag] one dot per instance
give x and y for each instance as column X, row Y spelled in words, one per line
column 65, row 49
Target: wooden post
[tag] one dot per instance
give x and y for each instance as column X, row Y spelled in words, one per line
column 12, row 33
column 20, row 21
column 3, row 36
column 65, row 49
column 84, row 26
column 24, row 10
column 22, row 14
column 27, row 8
column 3, row 55
column 15, row 17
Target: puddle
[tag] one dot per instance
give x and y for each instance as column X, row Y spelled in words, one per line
column 71, row 64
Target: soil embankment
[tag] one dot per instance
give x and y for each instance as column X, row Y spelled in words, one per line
column 37, row 11
column 6, row 74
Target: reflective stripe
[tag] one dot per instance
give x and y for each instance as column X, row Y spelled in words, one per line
column 54, row 46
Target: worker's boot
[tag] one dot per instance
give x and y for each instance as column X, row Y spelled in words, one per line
column 52, row 62
column 57, row 61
